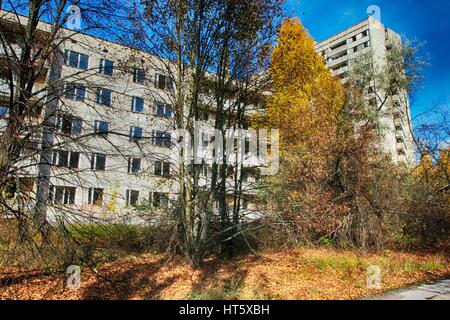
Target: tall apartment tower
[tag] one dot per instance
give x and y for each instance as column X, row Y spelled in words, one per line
column 340, row 50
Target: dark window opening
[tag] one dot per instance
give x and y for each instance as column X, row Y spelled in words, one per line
column 95, row 196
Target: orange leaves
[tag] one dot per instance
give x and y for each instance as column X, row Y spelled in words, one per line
column 302, row 273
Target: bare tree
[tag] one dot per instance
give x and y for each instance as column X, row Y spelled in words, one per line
column 215, row 53
column 39, row 124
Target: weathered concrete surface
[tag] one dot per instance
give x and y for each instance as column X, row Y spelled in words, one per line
column 436, row 291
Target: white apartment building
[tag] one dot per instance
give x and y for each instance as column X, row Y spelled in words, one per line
column 113, row 121
column 340, row 50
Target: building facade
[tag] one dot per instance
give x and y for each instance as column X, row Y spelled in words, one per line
column 340, row 51
column 111, row 141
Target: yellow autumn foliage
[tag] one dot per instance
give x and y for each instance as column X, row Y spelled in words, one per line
column 436, row 173
column 307, row 98
column 305, row 107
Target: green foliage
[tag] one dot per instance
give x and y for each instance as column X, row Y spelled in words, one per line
column 124, row 237
column 325, row 241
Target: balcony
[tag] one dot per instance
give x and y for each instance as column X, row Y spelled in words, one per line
column 338, row 60
column 340, row 70
column 337, row 50
column 359, row 42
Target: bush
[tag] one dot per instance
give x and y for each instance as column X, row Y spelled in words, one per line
column 128, row 238
column 427, row 220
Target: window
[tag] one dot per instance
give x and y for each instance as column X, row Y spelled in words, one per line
column 163, row 110
column 362, row 46
column 206, row 140
column 399, row 140
column 77, row 125
column 104, row 96
column 14, row 188
column 162, row 168
column 132, row 197
column 66, row 159
column 245, row 203
column 98, row 162
column 245, row 145
column 365, row 33
column 74, row 92
column 62, row 195
column 135, row 134
column 137, row 105
column 205, row 171
column 398, row 128
column 160, row 138
column 343, row 43
column 134, row 165
column 139, row 75
column 69, row 124
column 95, row 196
column 4, row 111
column 202, row 116
column 160, row 200
column 163, row 82
column 76, row 60
column 101, row 127
column 30, row 148
column 106, row 67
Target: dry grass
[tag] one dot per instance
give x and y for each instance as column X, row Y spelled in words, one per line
column 287, row 274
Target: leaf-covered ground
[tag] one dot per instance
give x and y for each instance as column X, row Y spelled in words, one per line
column 288, row 274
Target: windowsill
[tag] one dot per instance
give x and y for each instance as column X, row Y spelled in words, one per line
column 76, row 67
column 68, row 134
column 162, row 146
column 166, row 90
column 74, row 100
column 64, row 168
column 163, row 177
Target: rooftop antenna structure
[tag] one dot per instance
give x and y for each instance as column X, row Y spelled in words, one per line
column 374, row 11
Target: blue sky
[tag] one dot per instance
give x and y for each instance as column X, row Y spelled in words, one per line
column 425, row 20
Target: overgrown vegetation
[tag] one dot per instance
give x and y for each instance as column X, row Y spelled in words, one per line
column 337, row 188
column 337, row 185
